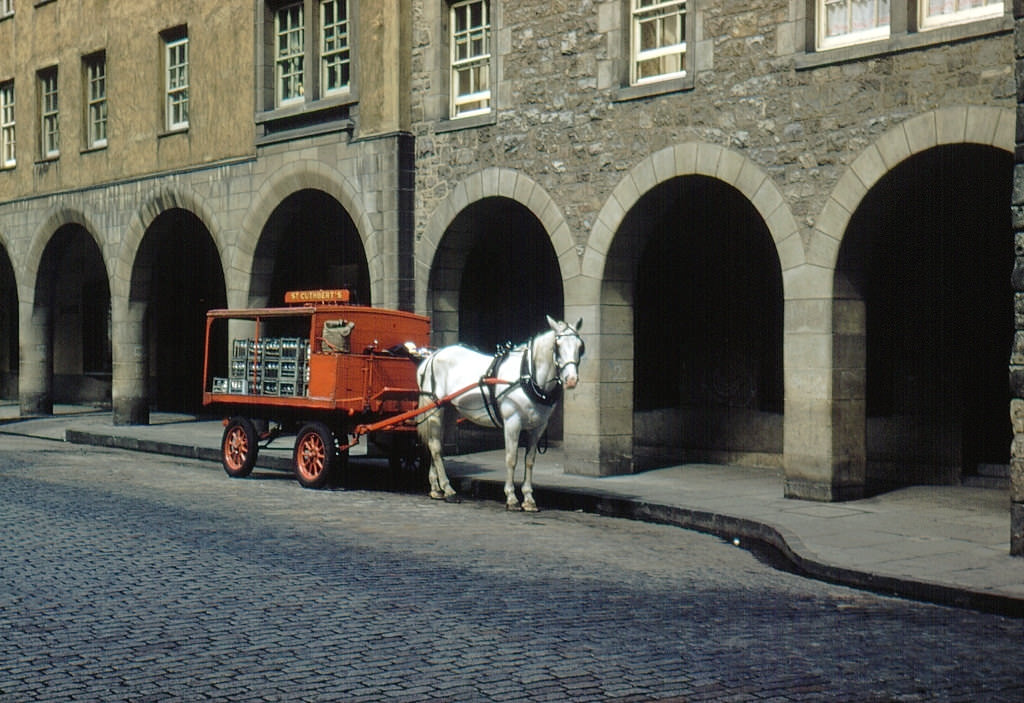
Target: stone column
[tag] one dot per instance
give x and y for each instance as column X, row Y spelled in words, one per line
column 1017, row 354
column 130, row 363
column 35, row 378
column 598, row 437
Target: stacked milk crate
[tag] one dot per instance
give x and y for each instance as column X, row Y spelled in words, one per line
column 269, row 366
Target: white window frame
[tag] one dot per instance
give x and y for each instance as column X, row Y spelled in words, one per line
column 289, row 59
column 879, row 31
column 644, row 12
column 96, row 100
column 335, row 46
column 176, row 82
column 49, row 114
column 474, row 65
column 8, row 155
column 961, row 13
column 6, row 8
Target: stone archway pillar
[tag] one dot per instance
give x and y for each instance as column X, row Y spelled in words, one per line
column 598, row 418
column 824, row 436
column 129, row 394
column 35, row 376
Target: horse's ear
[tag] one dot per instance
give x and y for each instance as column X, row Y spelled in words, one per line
column 552, row 323
column 579, row 324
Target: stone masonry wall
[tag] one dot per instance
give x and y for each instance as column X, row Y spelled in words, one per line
column 560, row 120
column 1017, row 356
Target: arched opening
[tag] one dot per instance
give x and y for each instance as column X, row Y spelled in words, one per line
column 707, row 316
column 309, row 242
column 928, row 254
column 73, row 292
column 495, row 276
column 9, row 357
column 179, row 276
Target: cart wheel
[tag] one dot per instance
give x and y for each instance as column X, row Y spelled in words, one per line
column 315, row 455
column 239, row 447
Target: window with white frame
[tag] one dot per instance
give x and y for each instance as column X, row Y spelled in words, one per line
column 6, row 7
column 176, row 80
column 96, row 100
column 7, row 143
column 290, row 54
column 658, row 40
column 335, row 52
column 939, row 13
column 844, row 22
column 470, row 38
column 49, row 114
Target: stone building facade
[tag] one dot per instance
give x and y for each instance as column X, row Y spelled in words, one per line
column 787, row 234
column 776, row 254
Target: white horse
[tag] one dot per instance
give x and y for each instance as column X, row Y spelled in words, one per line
column 531, row 379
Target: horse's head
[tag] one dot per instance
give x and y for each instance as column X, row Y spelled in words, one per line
column 568, row 351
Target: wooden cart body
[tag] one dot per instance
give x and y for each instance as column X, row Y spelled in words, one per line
column 273, row 371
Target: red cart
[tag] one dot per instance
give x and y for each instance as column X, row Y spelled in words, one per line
column 320, row 368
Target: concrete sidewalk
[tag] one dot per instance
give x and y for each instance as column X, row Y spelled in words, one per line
column 942, row 544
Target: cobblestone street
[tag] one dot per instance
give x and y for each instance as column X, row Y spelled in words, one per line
column 132, row 577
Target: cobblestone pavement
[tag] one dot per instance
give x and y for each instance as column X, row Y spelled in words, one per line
column 137, row 577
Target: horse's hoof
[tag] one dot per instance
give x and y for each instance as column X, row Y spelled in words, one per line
column 437, row 495
column 513, row 507
column 531, row 507
column 453, row 498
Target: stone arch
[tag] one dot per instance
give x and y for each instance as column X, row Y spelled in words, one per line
column 39, row 315
column 494, row 182
column 279, row 185
column 34, row 255
column 602, row 292
column 836, row 231
column 149, row 210
column 988, row 126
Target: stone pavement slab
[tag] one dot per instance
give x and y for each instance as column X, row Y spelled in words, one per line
column 945, row 544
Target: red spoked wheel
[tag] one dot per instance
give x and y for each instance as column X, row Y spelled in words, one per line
column 239, row 447
column 316, row 455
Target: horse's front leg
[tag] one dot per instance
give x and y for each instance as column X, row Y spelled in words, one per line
column 529, row 505
column 512, row 427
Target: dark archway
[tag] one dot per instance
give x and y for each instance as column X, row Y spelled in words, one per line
column 73, row 290
column 185, row 279
column 494, row 278
column 310, row 242
column 707, row 326
column 9, row 355
column 510, row 278
column 930, row 252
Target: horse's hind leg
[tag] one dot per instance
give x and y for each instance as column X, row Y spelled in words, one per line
column 431, row 432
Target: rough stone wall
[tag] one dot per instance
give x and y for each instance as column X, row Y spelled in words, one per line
column 560, row 118
column 1017, row 355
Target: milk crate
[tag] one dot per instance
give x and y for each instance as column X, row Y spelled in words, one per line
column 238, row 385
column 220, row 385
column 270, row 388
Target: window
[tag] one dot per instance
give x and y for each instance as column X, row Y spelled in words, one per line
column 7, row 154
column 49, row 114
column 334, row 46
column 843, row 22
column 290, row 54
column 658, row 40
column 6, row 8
column 939, row 13
column 176, row 80
column 96, row 101
column 470, row 58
